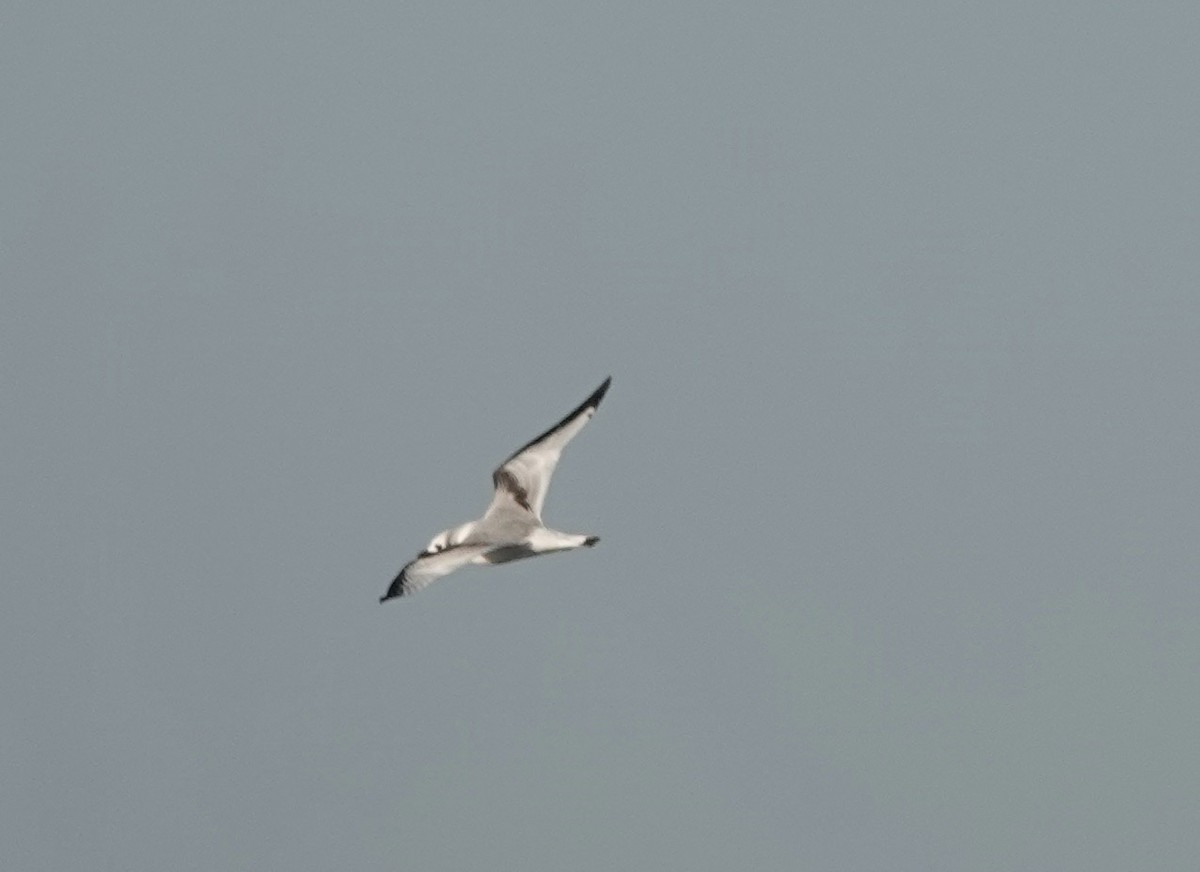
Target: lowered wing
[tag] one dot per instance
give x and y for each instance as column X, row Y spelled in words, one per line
column 429, row 568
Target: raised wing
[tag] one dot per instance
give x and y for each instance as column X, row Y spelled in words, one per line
column 524, row 478
column 429, row 568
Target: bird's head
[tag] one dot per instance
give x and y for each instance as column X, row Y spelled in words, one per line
column 437, row 543
column 449, row 538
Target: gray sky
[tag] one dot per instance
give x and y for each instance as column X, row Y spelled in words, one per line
column 896, row 482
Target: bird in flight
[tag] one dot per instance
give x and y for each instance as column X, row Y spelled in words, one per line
column 512, row 527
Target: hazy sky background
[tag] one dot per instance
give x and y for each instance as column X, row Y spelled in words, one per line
column 896, row 482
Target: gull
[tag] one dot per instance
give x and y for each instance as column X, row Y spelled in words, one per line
column 511, row 528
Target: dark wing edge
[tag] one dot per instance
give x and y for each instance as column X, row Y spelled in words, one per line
column 592, row 402
column 396, row 588
column 428, row 567
column 402, row 585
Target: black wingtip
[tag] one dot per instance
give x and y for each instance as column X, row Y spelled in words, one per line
column 590, row 403
column 395, row 589
column 598, row 394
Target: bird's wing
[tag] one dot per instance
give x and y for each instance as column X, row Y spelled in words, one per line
column 430, row 567
column 524, row 478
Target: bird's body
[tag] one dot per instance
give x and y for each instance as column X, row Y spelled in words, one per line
column 511, row 528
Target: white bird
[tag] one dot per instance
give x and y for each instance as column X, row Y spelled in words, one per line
column 512, row 527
